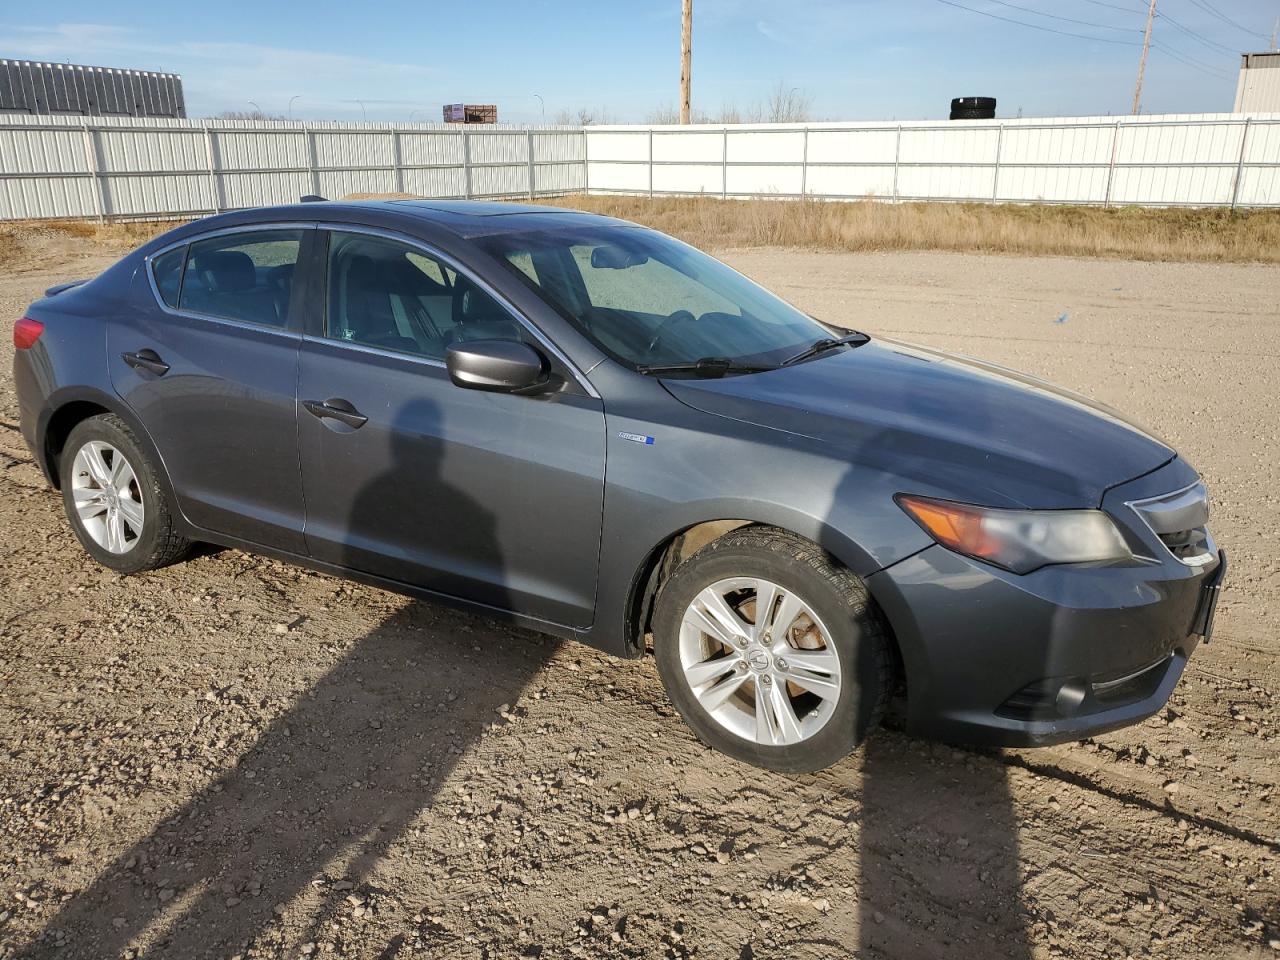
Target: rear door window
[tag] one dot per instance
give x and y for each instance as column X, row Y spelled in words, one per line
column 242, row 276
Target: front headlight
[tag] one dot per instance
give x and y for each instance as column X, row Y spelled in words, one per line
column 1018, row 540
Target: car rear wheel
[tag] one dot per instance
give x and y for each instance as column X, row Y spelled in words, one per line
column 772, row 651
column 116, row 506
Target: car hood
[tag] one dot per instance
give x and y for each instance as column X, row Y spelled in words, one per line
column 946, row 425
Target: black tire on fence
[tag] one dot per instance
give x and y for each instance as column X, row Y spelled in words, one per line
column 973, row 103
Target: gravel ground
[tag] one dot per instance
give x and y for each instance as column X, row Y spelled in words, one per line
column 235, row 757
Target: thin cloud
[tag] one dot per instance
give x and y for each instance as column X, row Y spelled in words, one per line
column 771, row 32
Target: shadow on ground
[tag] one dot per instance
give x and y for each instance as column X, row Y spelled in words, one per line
column 335, row 780
column 938, row 855
column 328, row 787
column 309, row 810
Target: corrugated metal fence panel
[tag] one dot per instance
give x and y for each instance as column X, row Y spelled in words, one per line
column 1188, row 159
column 560, row 146
column 29, row 198
column 61, row 166
column 35, row 151
column 143, row 151
column 442, row 148
column 54, row 166
column 1260, row 186
column 134, row 196
column 253, row 150
column 353, row 149
column 237, row 190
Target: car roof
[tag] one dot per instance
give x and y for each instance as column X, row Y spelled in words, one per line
column 474, row 218
column 464, row 218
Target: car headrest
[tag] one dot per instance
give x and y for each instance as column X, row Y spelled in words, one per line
column 362, row 274
column 471, row 305
column 226, row 270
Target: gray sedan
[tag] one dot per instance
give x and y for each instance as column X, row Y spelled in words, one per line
column 598, row 432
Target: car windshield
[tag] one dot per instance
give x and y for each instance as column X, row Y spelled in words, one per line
column 649, row 300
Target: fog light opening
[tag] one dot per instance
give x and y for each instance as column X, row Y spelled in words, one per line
column 1070, row 695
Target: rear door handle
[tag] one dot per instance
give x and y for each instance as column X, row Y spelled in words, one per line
column 146, row 359
column 335, row 408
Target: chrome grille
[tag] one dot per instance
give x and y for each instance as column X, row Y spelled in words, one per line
column 1180, row 522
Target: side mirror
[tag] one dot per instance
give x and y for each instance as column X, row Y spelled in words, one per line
column 504, row 366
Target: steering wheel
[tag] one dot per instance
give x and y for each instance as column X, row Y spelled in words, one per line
column 680, row 316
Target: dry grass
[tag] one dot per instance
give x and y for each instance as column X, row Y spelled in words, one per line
column 23, row 241
column 1130, row 233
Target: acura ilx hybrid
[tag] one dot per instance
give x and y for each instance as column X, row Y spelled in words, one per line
column 598, row 432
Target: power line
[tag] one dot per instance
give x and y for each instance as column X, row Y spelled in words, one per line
column 1036, row 26
column 1191, row 61
column 1191, row 33
column 1112, row 6
column 1054, row 16
column 1212, row 11
column 1168, row 51
column 1172, row 22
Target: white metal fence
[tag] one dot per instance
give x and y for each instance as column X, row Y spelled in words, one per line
column 108, row 168
column 1191, row 160
column 128, row 167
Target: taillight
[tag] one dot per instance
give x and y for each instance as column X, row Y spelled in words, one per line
column 26, row 332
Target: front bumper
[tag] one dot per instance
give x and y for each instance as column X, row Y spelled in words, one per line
column 1060, row 654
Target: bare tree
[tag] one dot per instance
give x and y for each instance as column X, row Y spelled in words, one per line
column 730, row 113
column 784, row 105
column 665, row 114
column 787, row 105
column 583, row 117
column 249, row 115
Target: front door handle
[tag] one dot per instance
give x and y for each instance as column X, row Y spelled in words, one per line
column 335, row 408
column 146, row 359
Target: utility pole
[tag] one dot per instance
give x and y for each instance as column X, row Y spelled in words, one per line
column 686, row 53
column 1142, row 64
column 1275, row 34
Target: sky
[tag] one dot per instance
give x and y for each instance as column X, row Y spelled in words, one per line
column 399, row 60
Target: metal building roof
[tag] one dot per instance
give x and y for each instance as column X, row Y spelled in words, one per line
column 36, row 87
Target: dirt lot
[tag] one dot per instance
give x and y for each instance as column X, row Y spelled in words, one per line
column 233, row 757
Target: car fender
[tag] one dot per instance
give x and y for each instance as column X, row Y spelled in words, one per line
column 59, row 400
column 664, row 477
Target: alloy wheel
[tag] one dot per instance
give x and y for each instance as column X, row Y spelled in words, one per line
column 107, row 496
column 759, row 661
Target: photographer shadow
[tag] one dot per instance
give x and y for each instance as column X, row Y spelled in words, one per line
column 306, row 813
column 939, row 872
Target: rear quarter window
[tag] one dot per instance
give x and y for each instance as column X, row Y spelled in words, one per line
column 167, row 270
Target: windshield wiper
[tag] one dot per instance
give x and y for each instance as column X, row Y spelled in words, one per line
column 704, row 367
column 826, row 343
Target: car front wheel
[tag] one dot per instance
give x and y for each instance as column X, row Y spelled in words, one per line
column 772, row 651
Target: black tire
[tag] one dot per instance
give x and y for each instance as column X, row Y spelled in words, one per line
column 859, row 636
column 973, row 103
column 157, row 544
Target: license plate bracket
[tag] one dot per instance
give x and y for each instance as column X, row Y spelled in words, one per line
column 1207, row 609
